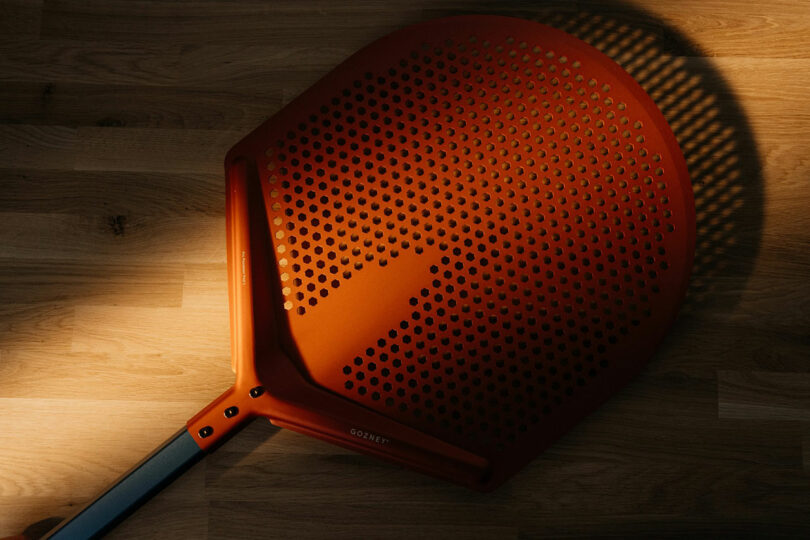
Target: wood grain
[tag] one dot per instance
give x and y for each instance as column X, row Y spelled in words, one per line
column 111, row 193
column 765, row 395
column 114, row 119
column 172, row 107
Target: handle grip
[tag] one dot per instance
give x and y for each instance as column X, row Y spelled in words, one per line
column 133, row 489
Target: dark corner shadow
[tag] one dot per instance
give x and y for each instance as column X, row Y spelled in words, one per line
column 704, row 114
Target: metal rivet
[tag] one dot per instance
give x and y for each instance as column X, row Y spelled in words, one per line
column 207, row 431
column 230, row 412
column 256, row 391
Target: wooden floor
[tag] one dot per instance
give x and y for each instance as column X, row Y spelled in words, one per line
column 114, row 120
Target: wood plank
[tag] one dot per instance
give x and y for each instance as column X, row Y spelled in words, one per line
column 136, row 106
column 195, row 330
column 694, row 347
column 144, row 239
column 806, row 449
column 241, row 22
column 341, row 520
column 764, row 396
column 40, row 327
column 785, row 22
column 112, row 193
column 204, row 66
column 37, row 147
column 39, row 281
column 164, row 150
column 644, row 497
column 173, row 516
column 123, row 376
column 20, row 18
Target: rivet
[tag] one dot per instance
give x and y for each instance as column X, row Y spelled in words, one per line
column 230, row 412
column 206, row 431
column 256, row 391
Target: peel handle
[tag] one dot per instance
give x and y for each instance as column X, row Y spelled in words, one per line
column 133, row 489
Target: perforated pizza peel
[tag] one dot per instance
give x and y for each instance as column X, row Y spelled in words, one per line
column 445, row 253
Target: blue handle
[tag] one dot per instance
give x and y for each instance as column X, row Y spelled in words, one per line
column 132, row 490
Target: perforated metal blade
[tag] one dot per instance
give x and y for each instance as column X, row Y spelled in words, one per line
column 483, row 228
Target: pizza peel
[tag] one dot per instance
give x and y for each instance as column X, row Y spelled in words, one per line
column 445, row 254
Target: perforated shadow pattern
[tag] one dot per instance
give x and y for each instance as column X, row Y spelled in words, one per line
column 549, row 206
